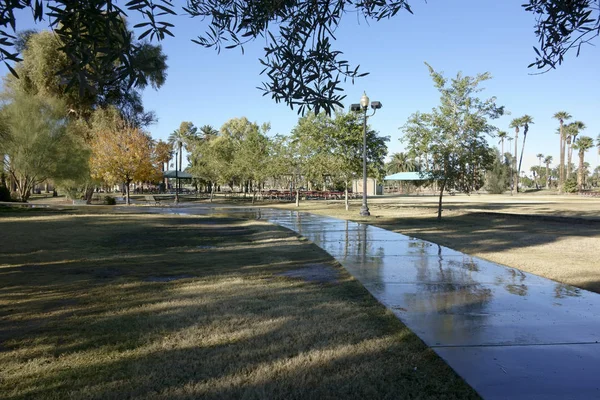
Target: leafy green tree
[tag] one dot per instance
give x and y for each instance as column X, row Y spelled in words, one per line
column 562, row 116
column 459, row 151
column 583, row 144
column 498, row 176
column 38, row 144
column 345, row 143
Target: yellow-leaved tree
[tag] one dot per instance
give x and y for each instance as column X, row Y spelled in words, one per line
column 123, row 154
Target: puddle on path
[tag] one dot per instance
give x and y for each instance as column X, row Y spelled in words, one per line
column 319, row 273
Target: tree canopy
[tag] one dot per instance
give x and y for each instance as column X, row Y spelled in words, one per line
column 457, row 150
column 38, row 143
column 301, row 66
column 122, row 153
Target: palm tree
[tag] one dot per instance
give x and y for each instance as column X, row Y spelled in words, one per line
column 399, row 162
column 562, row 116
column 515, row 123
column 525, row 120
column 583, row 144
column 598, row 143
column 572, row 131
column 181, row 137
column 539, row 157
column 207, row 132
column 178, row 138
column 547, row 161
column 502, row 135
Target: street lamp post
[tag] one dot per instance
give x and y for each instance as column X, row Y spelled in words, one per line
column 363, row 106
column 176, row 180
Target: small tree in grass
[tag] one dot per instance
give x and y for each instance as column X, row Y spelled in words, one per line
column 121, row 153
column 456, row 128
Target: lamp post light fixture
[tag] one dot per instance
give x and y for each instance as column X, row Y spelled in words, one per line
column 364, row 106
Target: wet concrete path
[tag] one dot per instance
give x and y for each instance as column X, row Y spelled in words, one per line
column 509, row 334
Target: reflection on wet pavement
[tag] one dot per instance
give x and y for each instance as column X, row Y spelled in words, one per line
column 508, row 333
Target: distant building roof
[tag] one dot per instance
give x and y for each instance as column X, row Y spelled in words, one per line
column 180, row 174
column 409, row 176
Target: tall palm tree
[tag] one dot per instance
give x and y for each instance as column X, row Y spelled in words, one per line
column 573, row 129
column 178, row 138
column 583, row 144
column 562, row 116
column 502, row 135
column 515, row 123
column 181, row 137
column 547, row 161
column 539, row 157
column 598, row 143
column 525, row 121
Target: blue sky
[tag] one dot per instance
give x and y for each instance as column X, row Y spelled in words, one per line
column 471, row 36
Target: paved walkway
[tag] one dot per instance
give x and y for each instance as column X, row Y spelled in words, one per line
column 509, row 334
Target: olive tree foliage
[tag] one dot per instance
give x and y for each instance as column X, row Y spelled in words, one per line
column 44, row 67
column 562, row 26
column 38, row 143
column 301, row 66
column 458, row 151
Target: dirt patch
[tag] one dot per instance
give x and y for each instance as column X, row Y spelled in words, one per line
column 318, row 273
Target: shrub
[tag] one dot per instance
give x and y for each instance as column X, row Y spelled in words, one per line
column 571, row 185
column 4, row 194
column 109, row 200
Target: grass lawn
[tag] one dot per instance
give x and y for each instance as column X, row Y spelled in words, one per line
column 495, row 228
column 135, row 306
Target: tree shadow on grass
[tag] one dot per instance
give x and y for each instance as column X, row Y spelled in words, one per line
column 90, row 326
column 485, row 232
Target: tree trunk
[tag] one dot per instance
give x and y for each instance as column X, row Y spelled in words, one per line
column 346, row 197
column 89, row 194
column 580, row 172
column 297, row 197
column 569, row 160
column 127, row 192
column 442, row 187
column 212, row 191
column 515, row 173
